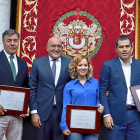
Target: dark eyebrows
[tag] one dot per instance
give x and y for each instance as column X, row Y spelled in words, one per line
column 13, row 39
column 121, row 46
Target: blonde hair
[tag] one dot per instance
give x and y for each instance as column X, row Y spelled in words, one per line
column 74, row 64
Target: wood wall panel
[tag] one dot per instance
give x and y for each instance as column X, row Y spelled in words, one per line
column 138, row 30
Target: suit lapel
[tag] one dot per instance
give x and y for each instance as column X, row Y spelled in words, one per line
column 19, row 68
column 120, row 70
column 133, row 69
column 7, row 65
column 47, row 67
column 62, row 71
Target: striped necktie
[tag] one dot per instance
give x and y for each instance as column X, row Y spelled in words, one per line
column 54, row 68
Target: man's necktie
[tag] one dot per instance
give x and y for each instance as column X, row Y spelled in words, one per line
column 13, row 67
column 54, row 69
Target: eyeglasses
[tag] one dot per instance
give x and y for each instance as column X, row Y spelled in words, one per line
column 54, row 46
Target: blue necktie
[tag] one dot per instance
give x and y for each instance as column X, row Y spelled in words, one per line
column 13, row 67
column 54, row 69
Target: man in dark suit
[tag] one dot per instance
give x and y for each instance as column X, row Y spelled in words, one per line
column 48, row 77
column 13, row 72
column 117, row 75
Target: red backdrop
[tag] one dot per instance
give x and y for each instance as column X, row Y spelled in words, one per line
column 40, row 16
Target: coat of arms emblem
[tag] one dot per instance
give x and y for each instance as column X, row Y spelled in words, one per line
column 80, row 33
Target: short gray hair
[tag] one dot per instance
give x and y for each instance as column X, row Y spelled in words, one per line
column 9, row 32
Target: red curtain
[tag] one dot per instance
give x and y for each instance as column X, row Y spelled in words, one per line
column 109, row 18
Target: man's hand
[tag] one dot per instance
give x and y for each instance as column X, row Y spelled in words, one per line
column 100, row 108
column 107, row 93
column 2, row 110
column 25, row 115
column 36, row 120
column 66, row 132
column 108, row 122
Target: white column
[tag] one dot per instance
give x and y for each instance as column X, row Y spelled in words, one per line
column 5, row 7
column 4, row 138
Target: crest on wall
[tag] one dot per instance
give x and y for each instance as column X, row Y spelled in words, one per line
column 80, row 33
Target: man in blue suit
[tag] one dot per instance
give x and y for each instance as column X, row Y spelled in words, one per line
column 117, row 75
column 11, row 125
column 48, row 77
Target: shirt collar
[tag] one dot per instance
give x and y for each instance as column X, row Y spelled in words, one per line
column 8, row 55
column 77, row 80
column 59, row 59
column 127, row 64
column 89, row 79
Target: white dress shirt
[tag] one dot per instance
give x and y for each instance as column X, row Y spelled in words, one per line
column 58, row 68
column 127, row 75
column 14, row 60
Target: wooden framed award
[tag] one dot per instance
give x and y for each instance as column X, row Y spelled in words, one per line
column 83, row 119
column 14, row 99
column 135, row 91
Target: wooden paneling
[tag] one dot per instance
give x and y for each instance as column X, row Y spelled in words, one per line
column 138, row 30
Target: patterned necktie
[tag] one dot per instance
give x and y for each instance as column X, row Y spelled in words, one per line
column 54, row 69
column 13, row 67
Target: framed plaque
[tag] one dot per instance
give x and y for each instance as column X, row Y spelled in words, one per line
column 14, row 99
column 135, row 91
column 83, row 119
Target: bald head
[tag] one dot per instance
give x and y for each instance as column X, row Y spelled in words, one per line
column 54, row 38
column 54, row 47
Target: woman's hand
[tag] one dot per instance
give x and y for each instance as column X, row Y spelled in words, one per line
column 100, row 108
column 66, row 132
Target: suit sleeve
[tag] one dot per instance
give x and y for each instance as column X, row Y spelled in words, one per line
column 104, row 85
column 33, row 83
column 27, row 78
column 97, row 94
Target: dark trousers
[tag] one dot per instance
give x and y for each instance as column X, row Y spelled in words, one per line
column 129, row 128
column 50, row 129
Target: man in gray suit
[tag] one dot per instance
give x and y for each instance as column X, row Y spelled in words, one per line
column 48, row 77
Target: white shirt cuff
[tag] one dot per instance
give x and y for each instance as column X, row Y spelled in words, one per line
column 33, row 111
column 103, row 116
